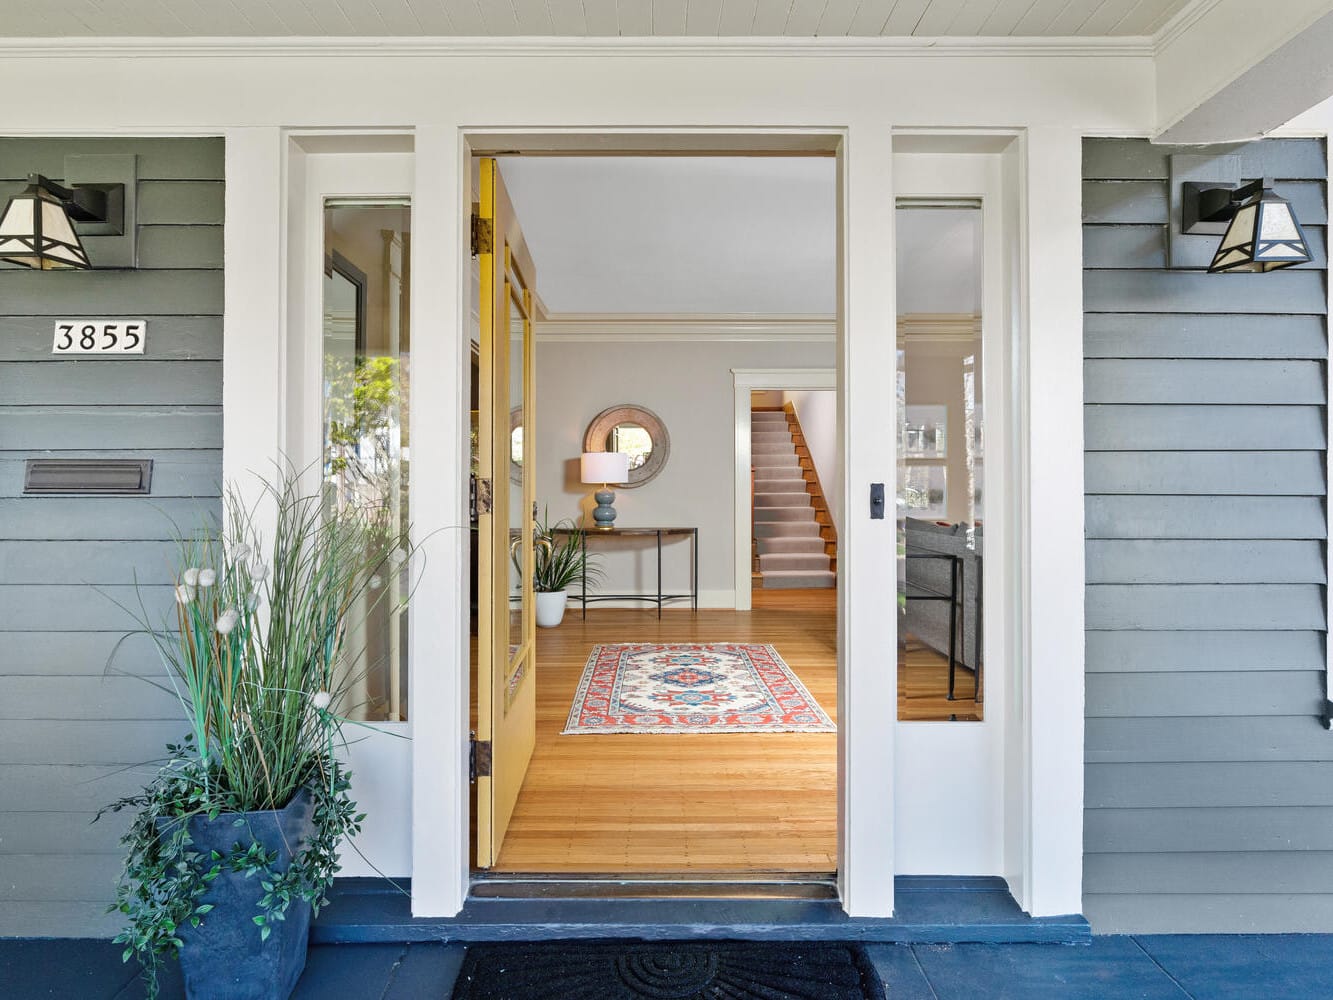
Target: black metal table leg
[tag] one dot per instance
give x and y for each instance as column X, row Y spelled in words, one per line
column 953, row 624
column 659, row 576
column 694, row 571
column 976, row 651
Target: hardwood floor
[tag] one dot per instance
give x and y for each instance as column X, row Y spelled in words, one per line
column 689, row 803
column 695, row 803
column 923, row 687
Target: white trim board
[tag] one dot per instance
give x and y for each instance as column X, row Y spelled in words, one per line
column 745, row 381
column 978, row 47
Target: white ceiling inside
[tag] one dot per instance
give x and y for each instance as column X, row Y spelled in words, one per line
column 577, row 18
column 732, row 235
column 939, row 260
column 679, row 234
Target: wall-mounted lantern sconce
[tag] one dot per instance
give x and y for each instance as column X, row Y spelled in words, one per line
column 37, row 229
column 44, row 226
column 1262, row 233
column 1257, row 228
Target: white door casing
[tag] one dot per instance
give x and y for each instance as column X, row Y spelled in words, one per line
column 1043, row 768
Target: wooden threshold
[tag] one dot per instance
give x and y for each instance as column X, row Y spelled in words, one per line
column 722, row 885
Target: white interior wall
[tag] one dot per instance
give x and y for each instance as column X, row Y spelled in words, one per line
column 817, row 410
column 689, row 385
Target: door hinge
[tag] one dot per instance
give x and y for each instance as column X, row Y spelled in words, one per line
column 483, row 235
column 483, row 500
column 478, row 759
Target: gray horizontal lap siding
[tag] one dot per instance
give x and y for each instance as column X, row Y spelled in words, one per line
column 77, row 719
column 1209, row 782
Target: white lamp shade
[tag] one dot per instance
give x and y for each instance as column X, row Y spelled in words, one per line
column 603, row 467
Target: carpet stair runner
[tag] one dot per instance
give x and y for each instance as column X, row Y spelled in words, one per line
column 788, row 536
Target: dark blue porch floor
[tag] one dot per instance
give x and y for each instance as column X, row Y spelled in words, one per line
column 1203, row 967
column 927, row 909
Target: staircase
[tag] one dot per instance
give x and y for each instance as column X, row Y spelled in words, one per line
column 794, row 544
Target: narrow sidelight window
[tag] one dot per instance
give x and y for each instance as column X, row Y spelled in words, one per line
column 367, row 349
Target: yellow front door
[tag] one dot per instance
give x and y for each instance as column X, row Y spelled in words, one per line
column 506, row 620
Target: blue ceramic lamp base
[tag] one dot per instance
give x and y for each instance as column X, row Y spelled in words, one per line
column 604, row 514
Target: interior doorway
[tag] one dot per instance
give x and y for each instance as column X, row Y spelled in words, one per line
column 673, row 732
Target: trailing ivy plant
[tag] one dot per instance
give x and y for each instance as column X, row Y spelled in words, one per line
column 165, row 878
column 255, row 656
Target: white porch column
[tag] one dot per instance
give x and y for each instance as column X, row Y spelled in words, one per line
column 439, row 623
column 254, row 345
column 1053, row 525
column 867, row 584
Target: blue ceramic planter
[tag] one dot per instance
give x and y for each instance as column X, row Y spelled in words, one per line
column 223, row 958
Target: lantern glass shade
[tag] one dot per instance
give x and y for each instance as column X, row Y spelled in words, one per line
column 1263, row 236
column 37, row 232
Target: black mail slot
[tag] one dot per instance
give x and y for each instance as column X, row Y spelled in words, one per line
column 88, row 475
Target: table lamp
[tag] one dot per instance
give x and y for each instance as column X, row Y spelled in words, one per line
column 604, row 467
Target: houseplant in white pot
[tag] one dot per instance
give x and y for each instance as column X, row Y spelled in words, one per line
column 559, row 559
column 234, row 841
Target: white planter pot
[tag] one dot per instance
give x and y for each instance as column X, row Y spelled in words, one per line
column 551, row 607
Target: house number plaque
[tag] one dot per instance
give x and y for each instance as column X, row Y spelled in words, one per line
column 99, row 336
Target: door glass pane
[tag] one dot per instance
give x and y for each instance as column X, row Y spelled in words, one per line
column 366, row 369
column 520, row 514
column 940, row 464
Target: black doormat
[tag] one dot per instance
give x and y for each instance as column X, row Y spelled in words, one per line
column 665, row 970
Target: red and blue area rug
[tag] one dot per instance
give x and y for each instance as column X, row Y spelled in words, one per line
column 717, row 687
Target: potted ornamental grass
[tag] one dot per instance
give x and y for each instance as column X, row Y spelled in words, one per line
column 559, row 560
column 234, row 842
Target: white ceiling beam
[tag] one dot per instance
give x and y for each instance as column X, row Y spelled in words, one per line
column 1231, row 70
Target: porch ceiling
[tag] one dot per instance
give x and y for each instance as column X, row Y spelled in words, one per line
column 579, row 18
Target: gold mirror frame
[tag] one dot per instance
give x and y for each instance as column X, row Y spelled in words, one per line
column 594, row 439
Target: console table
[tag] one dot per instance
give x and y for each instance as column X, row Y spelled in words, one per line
column 659, row 533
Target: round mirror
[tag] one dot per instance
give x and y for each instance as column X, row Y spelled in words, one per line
column 636, row 432
column 632, row 439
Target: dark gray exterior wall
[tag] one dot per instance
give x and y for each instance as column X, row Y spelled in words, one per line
column 1209, row 781
column 72, row 731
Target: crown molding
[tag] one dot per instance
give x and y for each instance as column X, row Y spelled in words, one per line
column 591, row 328
column 939, row 328
column 720, row 327
column 434, row 47
column 1185, row 19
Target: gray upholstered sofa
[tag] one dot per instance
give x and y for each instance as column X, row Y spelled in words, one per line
column 928, row 620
